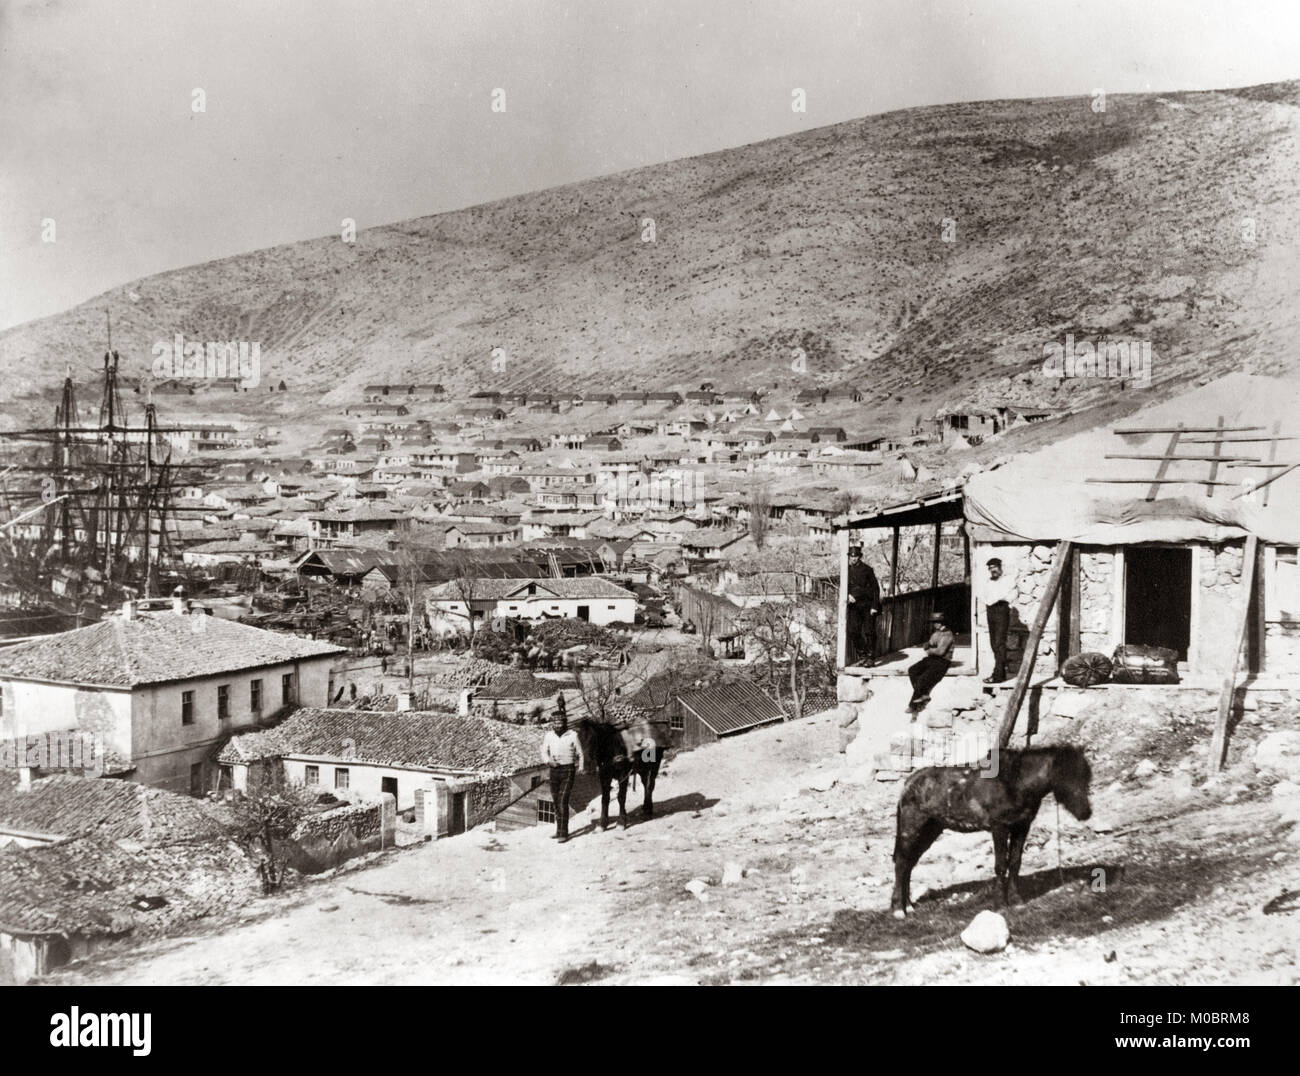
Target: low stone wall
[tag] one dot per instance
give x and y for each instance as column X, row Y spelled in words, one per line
column 327, row 839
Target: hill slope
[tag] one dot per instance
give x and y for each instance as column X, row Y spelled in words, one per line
column 1127, row 222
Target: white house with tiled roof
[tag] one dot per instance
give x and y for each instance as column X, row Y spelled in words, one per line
column 487, row 763
column 161, row 688
column 597, row 601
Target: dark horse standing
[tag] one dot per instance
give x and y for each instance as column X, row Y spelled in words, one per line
column 620, row 750
column 969, row 799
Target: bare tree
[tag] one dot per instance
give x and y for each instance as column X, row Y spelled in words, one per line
column 794, row 634
column 264, row 820
column 758, row 501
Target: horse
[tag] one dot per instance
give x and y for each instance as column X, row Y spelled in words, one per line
column 970, row 799
column 619, row 750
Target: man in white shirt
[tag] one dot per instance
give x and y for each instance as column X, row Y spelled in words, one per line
column 1000, row 592
column 562, row 752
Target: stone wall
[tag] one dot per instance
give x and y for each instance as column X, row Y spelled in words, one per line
column 327, row 839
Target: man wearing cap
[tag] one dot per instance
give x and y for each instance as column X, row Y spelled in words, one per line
column 999, row 591
column 863, row 605
column 562, row 752
column 927, row 672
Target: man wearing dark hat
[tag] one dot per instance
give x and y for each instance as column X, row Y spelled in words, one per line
column 927, row 672
column 863, row 605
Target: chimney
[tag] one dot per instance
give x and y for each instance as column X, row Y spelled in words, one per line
column 178, row 601
column 24, row 778
column 128, row 610
column 403, row 701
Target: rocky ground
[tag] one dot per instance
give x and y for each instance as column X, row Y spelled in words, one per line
column 769, row 862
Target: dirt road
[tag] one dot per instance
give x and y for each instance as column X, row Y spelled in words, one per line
column 796, row 853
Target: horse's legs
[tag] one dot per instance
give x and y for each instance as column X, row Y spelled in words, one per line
column 604, row 799
column 648, row 779
column 915, row 835
column 1001, row 837
column 622, row 799
column 1016, row 849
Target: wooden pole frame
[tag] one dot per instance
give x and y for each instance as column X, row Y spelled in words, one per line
column 1219, row 740
column 1041, row 616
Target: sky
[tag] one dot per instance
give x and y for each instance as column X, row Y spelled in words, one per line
column 382, row 110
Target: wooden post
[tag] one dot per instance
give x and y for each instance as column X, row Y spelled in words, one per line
column 893, row 567
column 1219, row 741
column 841, row 603
column 1068, row 622
column 1044, row 611
column 934, row 567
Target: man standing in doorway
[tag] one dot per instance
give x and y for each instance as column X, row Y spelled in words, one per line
column 927, row 672
column 863, row 605
column 999, row 592
column 562, row 752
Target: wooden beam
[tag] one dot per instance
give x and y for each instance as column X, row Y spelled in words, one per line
column 1041, row 615
column 934, row 567
column 1164, row 466
column 1219, row 741
column 1193, row 429
column 1158, row 482
column 1216, row 458
column 1214, row 467
column 893, row 566
column 1265, row 484
column 1068, row 622
column 841, row 602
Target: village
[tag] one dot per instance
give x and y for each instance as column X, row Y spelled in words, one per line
column 364, row 645
column 558, row 495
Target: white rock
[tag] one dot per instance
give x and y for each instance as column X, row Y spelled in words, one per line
column 822, row 782
column 1145, row 768
column 1278, row 753
column 987, row 933
column 732, row 873
column 1072, row 703
column 699, row 887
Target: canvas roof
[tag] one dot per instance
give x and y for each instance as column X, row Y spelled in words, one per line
column 1045, row 496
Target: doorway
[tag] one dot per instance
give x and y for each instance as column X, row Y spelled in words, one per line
column 1158, row 597
column 389, row 785
column 584, row 612
column 457, row 814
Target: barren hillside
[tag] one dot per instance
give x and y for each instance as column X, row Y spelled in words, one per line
column 1170, row 218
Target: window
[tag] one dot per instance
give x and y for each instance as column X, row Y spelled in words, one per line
column 311, row 775
column 225, row 778
column 340, row 777
column 286, row 688
column 223, row 702
column 609, row 607
column 1286, row 584
column 255, row 696
column 677, row 721
column 537, row 780
column 187, row 707
column 545, row 811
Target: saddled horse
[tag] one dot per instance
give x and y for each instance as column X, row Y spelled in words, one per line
column 970, row 799
column 621, row 750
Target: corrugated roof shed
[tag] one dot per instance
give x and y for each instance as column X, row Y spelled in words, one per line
column 735, row 707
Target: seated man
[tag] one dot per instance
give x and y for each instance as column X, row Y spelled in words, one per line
column 927, row 672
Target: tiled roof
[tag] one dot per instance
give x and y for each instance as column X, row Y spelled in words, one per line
column 733, row 707
column 415, row 738
column 91, row 887
column 67, row 806
column 153, row 648
column 518, row 684
column 707, row 538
